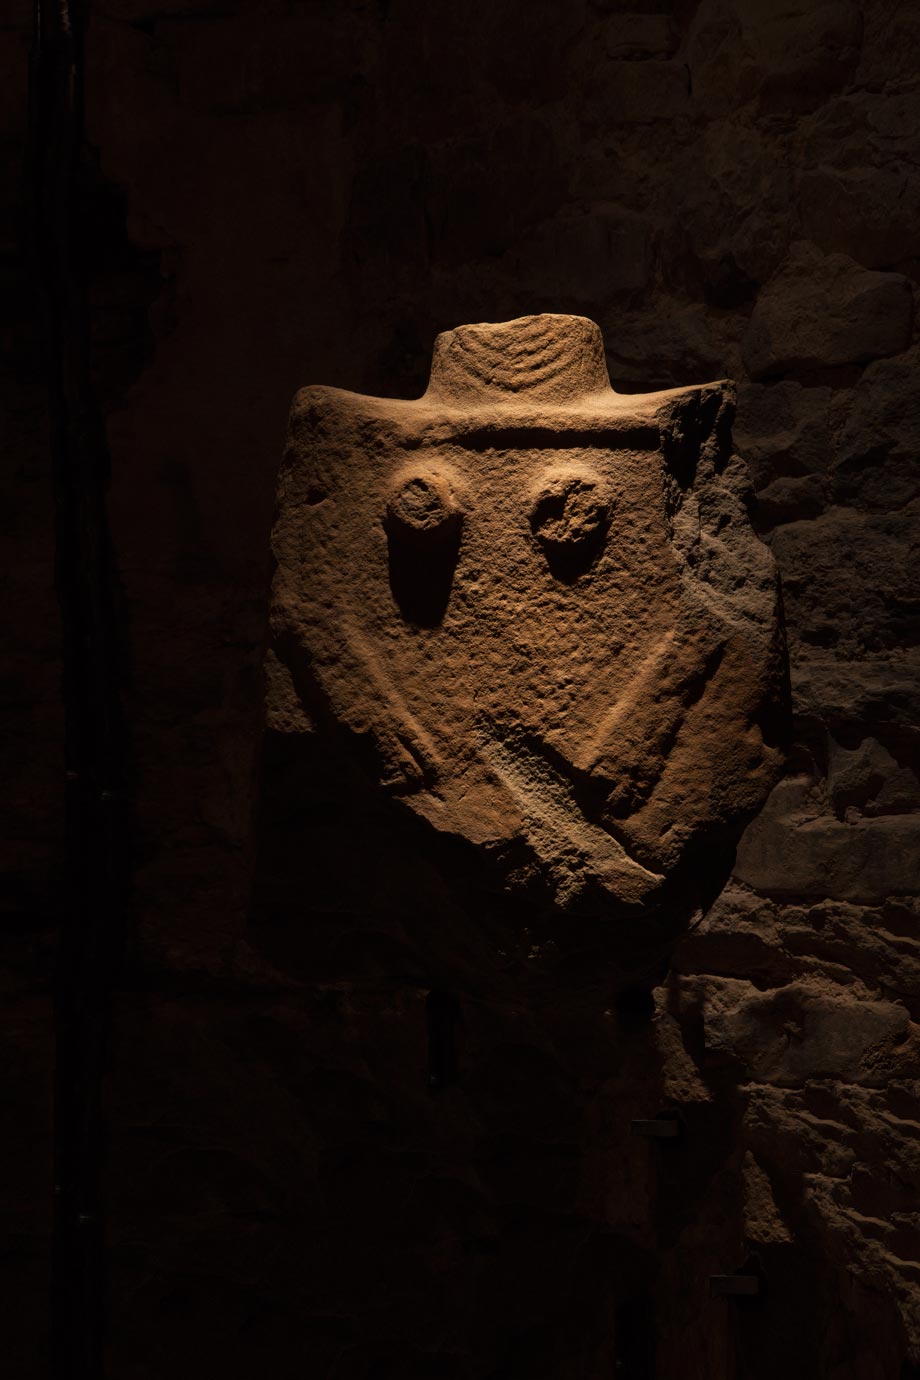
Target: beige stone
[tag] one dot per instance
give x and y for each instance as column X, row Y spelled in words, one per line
column 538, row 609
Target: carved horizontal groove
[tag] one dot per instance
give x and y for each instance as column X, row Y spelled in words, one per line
column 549, row 438
column 542, row 349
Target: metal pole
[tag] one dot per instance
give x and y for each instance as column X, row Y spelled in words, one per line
column 92, row 927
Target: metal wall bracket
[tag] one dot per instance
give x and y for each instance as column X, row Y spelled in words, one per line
column 734, row 1286
column 664, row 1126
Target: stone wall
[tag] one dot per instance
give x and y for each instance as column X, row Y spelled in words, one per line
column 293, row 192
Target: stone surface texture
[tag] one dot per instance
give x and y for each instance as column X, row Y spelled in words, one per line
column 287, row 191
column 539, row 607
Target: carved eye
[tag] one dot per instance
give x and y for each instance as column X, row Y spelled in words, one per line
column 424, row 526
column 424, row 511
column 569, row 516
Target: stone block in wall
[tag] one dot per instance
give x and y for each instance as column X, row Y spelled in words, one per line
column 588, row 258
column 771, row 941
column 798, row 847
column 876, row 436
column 728, row 211
column 802, row 50
column 810, row 1029
column 783, row 430
column 873, row 690
column 869, row 779
column 851, row 581
column 659, row 342
column 639, row 93
column 785, row 58
column 789, row 499
column 823, row 311
column 870, row 213
column 846, row 1156
column 640, row 36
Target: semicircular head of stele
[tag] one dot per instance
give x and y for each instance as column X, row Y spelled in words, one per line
column 496, row 593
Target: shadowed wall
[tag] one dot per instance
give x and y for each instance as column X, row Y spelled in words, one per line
column 307, row 193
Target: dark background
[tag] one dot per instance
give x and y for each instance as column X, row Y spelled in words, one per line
column 287, row 193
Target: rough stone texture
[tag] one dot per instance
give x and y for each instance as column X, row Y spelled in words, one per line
column 539, row 607
column 290, row 191
column 826, row 310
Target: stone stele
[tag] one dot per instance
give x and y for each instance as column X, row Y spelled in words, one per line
column 537, row 609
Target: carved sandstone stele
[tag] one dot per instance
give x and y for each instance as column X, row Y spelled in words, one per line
column 537, row 609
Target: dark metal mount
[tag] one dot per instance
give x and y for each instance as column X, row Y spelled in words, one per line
column 664, row 1126
column 734, row 1286
column 93, row 641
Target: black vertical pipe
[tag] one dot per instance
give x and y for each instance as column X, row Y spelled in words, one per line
column 93, row 906
column 442, row 1013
